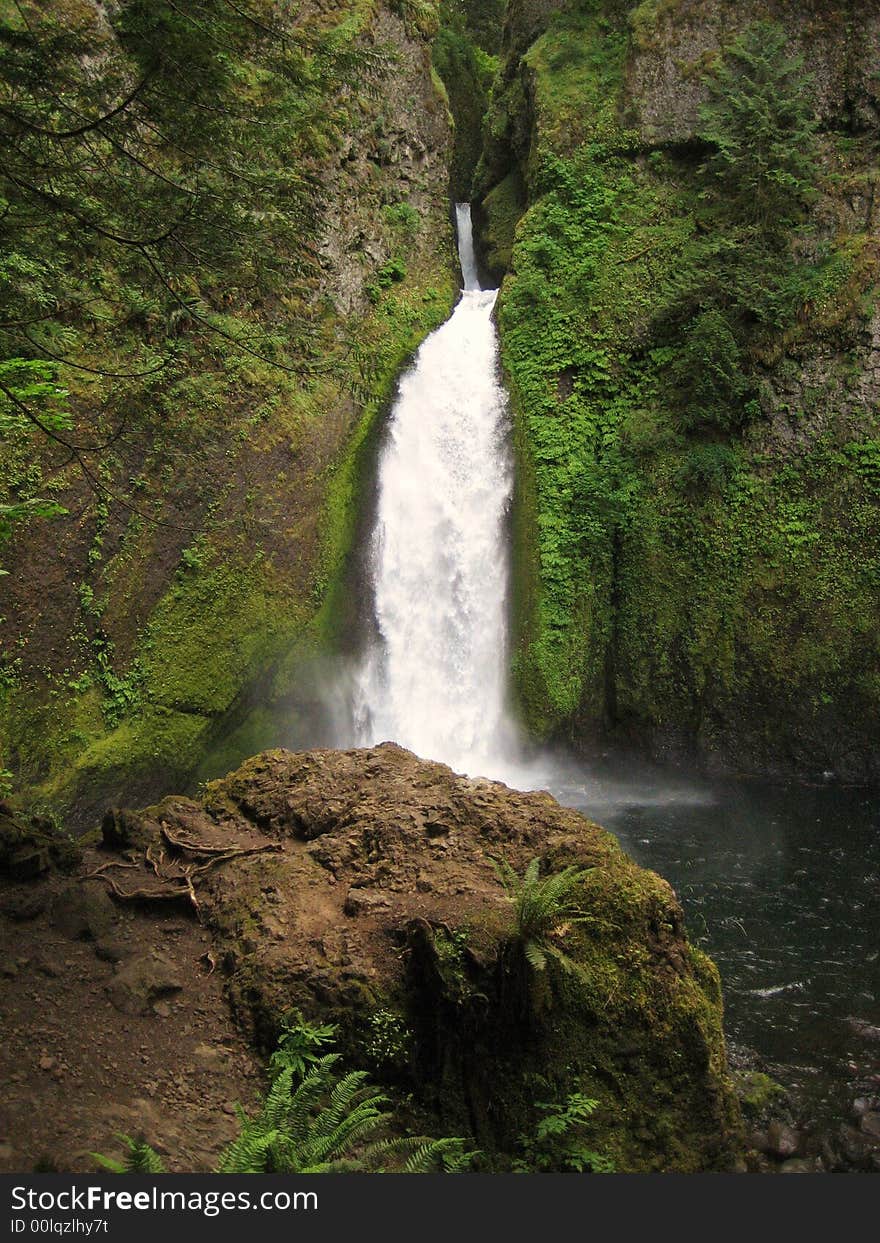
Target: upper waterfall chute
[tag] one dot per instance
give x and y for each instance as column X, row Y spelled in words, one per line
column 466, row 255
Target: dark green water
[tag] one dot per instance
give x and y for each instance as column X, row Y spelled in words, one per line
column 782, row 887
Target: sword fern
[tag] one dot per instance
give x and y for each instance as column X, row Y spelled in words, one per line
column 543, row 908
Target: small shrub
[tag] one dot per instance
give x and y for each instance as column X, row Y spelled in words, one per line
column 708, row 467
column 708, row 373
column 389, row 274
column 403, row 216
column 559, row 1143
column 760, row 122
column 300, row 1044
column 389, row 1040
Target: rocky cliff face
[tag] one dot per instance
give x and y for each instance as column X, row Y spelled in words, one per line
column 132, row 648
column 358, row 887
column 711, row 594
column 673, row 41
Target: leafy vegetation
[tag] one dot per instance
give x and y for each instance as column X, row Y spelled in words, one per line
column 174, row 144
column 464, row 55
column 559, row 1143
column 738, row 276
column 760, row 124
column 162, row 282
column 301, row 1045
column 313, row 1120
column 544, row 908
column 673, row 558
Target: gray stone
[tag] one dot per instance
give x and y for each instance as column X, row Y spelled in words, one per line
column 137, row 986
column 782, row 1141
column 800, row 1165
column 83, row 912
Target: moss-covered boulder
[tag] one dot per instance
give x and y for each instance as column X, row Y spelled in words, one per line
column 359, row 887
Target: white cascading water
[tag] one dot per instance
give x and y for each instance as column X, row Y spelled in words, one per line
column 434, row 677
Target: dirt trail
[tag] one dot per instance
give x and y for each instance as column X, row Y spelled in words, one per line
column 83, row 1058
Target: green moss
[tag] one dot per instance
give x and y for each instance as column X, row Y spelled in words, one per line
column 182, row 626
column 756, row 1092
column 634, row 1023
column 467, row 73
column 501, row 210
column 714, row 584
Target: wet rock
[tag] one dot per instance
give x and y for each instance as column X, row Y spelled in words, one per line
column 801, row 1165
column 83, row 912
column 759, row 1096
column 870, row 1125
column 855, row 1149
column 783, row 1141
column 136, row 987
column 381, row 912
column 866, row 1030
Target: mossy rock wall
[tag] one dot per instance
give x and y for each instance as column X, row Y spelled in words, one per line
column 714, row 597
column 131, row 651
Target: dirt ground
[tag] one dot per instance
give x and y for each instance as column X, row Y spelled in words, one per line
column 84, row 1058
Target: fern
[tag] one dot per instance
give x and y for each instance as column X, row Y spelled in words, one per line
column 317, row 1124
column 250, row 1153
column 444, row 1156
column 140, row 1159
column 305, row 1128
column 543, row 908
column 557, row 1144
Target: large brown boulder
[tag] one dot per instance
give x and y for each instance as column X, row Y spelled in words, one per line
column 359, row 887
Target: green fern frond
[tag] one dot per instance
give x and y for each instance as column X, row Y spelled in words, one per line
column 112, row 1164
column 140, row 1158
column 535, row 955
column 541, row 907
column 506, row 875
column 319, row 1125
column 278, row 1103
column 447, row 1156
column 249, row 1154
column 533, row 871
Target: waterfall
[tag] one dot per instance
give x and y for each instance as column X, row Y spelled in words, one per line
column 434, row 675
